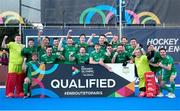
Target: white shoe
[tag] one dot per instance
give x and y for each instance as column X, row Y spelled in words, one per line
column 160, row 94
column 171, row 95
column 168, row 94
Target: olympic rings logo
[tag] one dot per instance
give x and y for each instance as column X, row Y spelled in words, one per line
column 130, row 16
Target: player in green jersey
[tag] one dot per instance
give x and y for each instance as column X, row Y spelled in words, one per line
column 102, row 41
column 55, row 45
column 50, row 57
column 82, row 57
column 42, row 45
column 27, row 51
column 28, row 78
column 121, row 56
column 135, row 45
column 168, row 73
column 82, row 42
column 154, row 57
column 115, row 42
column 97, row 56
column 108, row 54
column 56, row 50
column 69, row 51
column 127, row 46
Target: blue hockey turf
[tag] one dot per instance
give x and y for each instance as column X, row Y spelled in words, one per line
column 129, row 103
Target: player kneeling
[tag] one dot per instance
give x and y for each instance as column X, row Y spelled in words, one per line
column 28, row 78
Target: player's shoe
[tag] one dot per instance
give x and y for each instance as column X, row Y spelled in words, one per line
column 27, row 95
column 171, row 95
column 167, row 94
column 20, row 95
column 10, row 95
column 160, row 94
column 150, row 95
column 142, row 94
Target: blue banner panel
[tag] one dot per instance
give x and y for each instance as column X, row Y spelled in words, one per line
column 167, row 38
column 65, row 80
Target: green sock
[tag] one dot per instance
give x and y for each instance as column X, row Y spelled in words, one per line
column 160, row 89
column 173, row 86
column 25, row 88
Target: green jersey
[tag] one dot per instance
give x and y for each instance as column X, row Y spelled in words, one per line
column 27, row 52
column 58, row 52
column 29, row 69
column 41, row 51
column 129, row 48
column 103, row 48
column 155, row 59
column 79, row 45
column 168, row 60
column 115, row 44
column 96, row 56
column 82, row 59
column 69, row 51
column 55, row 49
column 53, row 58
column 122, row 57
column 108, row 58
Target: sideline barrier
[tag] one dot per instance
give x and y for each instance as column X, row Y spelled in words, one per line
column 65, row 80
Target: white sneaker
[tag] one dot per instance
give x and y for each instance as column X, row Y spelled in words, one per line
column 168, row 94
column 171, row 95
column 160, row 94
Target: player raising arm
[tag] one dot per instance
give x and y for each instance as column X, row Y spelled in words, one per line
column 15, row 70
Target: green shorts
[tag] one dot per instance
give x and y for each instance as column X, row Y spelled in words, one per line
column 166, row 75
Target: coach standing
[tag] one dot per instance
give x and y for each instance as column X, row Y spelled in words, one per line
column 15, row 73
